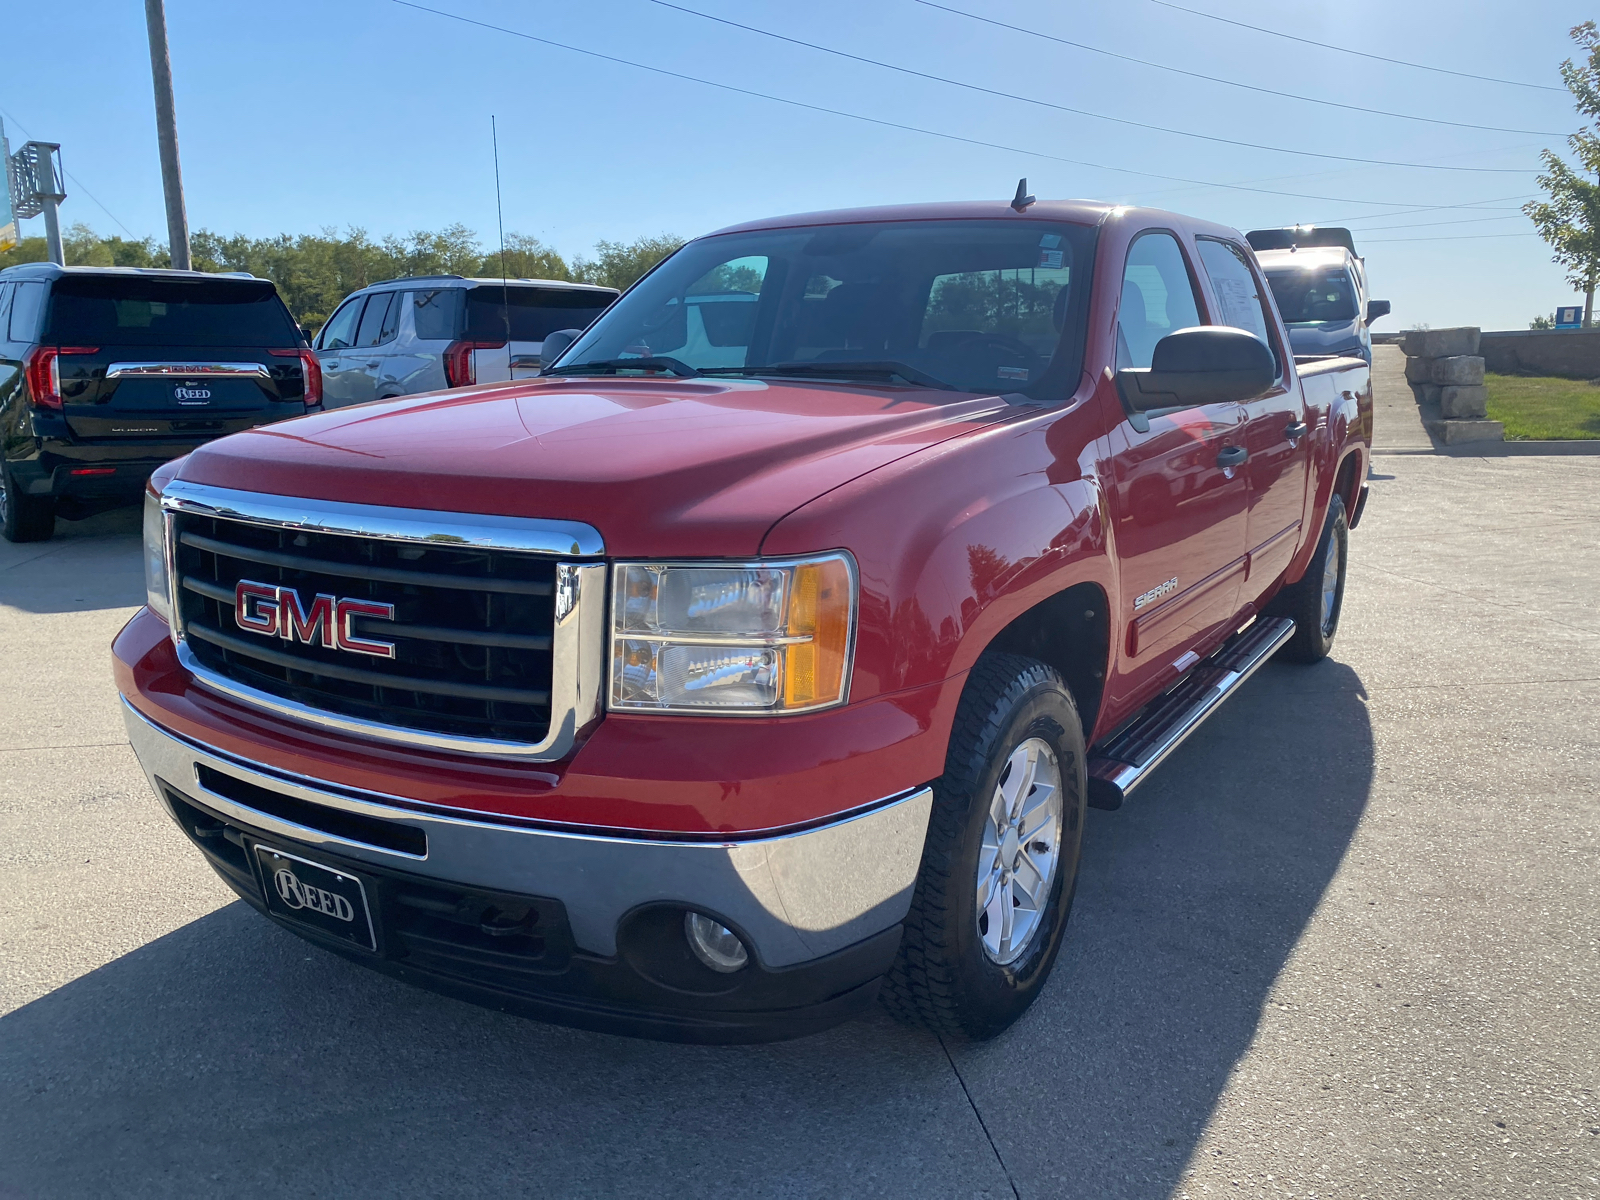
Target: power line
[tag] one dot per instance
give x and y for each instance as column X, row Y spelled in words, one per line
column 1458, row 237
column 71, row 176
column 1432, row 224
column 1066, row 108
column 1399, row 62
column 1251, row 87
column 879, row 121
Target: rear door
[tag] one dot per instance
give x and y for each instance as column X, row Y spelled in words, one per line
column 163, row 357
column 1275, row 434
column 1177, row 502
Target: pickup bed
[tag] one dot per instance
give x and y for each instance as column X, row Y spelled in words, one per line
column 760, row 659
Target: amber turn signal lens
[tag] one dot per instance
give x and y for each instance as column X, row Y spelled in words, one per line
column 819, row 610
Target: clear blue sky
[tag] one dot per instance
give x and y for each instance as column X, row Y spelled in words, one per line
column 297, row 115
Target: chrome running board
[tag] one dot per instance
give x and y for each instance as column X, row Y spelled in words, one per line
column 1122, row 763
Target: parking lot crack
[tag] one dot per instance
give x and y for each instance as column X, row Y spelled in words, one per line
column 982, row 1124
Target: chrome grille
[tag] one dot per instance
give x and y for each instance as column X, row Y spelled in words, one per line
column 472, row 626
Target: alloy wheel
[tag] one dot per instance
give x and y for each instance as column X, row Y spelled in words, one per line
column 1021, row 851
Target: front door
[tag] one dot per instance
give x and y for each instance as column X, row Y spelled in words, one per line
column 1275, row 424
column 1177, row 500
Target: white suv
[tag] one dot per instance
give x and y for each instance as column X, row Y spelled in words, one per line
column 431, row 332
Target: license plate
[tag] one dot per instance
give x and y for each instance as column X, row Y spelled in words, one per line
column 311, row 894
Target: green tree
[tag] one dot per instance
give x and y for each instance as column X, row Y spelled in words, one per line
column 620, row 265
column 1570, row 219
column 526, row 258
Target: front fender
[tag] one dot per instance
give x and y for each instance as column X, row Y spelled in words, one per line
column 955, row 542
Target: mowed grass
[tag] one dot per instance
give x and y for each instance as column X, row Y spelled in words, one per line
column 1541, row 407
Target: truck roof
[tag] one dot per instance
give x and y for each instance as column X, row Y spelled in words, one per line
column 1306, row 258
column 1077, row 212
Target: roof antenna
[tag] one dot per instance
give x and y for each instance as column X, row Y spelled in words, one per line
column 1022, row 199
column 500, row 216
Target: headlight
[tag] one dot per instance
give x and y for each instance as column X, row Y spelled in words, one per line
column 740, row 638
column 156, row 592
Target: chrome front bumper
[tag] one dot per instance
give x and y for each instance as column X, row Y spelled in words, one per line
column 796, row 897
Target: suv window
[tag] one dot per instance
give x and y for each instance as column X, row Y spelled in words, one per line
column 532, row 312
column 97, row 310
column 436, row 314
column 1158, row 298
column 1238, row 295
column 26, row 301
column 375, row 318
column 5, row 309
column 340, row 331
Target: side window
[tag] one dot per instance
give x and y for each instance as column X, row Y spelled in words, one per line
column 374, row 319
column 27, row 305
column 433, row 313
column 1238, row 295
column 391, row 320
column 1157, row 298
column 5, row 310
column 340, row 331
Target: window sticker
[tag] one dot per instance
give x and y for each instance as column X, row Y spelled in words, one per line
column 1013, row 373
column 1050, row 259
column 1050, row 241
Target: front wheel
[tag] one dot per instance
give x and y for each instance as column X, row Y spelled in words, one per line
column 1316, row 601
column 1000, row 864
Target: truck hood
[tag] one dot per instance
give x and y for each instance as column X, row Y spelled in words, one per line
column 1326, row 337
column 661, row 468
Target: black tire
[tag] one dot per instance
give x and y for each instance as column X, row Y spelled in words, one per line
column 1314, row 633
column 943, row 979
column 24, row 518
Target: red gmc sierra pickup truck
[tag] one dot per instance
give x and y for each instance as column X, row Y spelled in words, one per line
column 758, row 659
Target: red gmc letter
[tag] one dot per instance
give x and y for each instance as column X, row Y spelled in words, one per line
column 255, row 607
column 348, row 611
column 312, row 628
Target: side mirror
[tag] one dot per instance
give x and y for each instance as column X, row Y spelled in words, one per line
column 555, row 344
column 1376, row 309
column 1208, row 364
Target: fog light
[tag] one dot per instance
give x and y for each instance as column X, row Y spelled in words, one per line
column 714, row 944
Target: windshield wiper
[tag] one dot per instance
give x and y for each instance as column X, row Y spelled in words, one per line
column 872, row 369
column 610, row 366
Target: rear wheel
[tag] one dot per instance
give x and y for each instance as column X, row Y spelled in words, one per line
column 24, row 518
column 1316, row 600
column 1000, row 864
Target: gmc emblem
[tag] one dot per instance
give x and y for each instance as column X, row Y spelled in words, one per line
column 274, row 611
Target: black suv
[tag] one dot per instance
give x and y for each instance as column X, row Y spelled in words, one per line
column 108, row 372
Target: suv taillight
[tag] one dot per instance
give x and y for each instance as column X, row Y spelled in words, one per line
column 310, row 375
column 458, row 369
column 43, row 368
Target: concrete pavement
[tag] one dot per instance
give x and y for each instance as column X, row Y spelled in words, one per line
column 1344, row 944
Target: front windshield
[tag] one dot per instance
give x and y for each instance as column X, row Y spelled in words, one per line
column 974, row 306
column 1314, row 296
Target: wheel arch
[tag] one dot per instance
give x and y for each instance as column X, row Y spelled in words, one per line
column 1071, row 633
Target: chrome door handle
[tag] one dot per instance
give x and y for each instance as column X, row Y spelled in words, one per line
column 1296, row 430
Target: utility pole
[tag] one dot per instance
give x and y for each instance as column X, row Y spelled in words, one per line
column 155, row 16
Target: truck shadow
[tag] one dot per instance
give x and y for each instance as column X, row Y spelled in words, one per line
column 229, row 1052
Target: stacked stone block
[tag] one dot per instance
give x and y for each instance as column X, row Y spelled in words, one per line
column 1444, row 368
